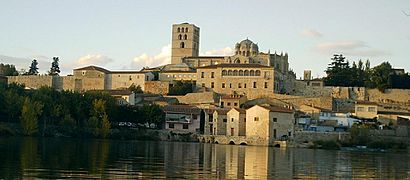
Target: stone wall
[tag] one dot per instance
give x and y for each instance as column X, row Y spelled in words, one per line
column 310, row 136
column 32, row 81
column 157, row 87
column 393, row 96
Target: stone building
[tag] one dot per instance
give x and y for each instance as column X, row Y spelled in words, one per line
column 366, row 109
column 185, row 41
column 267, row 124
column 183, row 118
column 232, row 101
column 236, row 125
column 219, row 121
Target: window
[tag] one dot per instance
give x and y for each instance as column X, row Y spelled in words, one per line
column 274, row 133
column 257, row 73
column 275, row 119
column 212, row 84
column 223, row 85
column 266, row 84
column 171, row 125
column 239, row 85
column 212, row 74
column 203, row 84
column 179, row 30
column 179, row 37
column 202, row 74
column 224, row 120
column 256, row 119
column 244, row 119
column 231, row 119
column 254, row 84
column 222, row 104
column 230, row 85
column 186, row 29
column 185, row 37
column 372, row 109
column 228, row 104
column 130, row 78
column 244, row 85
column 182, row 45
column 360, row 109
column 235, row 104
column 185, row 126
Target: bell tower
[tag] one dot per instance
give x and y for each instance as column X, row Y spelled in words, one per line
column 185, row 42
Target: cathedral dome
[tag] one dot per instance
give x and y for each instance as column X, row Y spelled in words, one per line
column 246, row 48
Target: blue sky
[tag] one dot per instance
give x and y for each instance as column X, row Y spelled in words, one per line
column 132, row 34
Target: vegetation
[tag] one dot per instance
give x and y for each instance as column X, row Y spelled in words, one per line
column 136, row 89
column 33, row 69
column 50, row 112
column 181, row 88
column 55, row 68
column 8, row 70
column 331, row 145
column 340, row 73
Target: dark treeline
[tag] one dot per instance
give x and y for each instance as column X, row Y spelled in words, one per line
column 383, row 76
column 46, row 112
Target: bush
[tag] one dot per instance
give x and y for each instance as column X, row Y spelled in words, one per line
column 332, row 145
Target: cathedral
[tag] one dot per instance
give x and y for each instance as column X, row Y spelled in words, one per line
column 248, row 71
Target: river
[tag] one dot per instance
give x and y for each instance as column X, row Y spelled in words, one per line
column 59, row 158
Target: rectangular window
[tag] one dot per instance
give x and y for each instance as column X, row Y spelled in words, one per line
column 244, row 119
column 185, row 126
column 202, row 74
column 275, row 119
column 230, row 85
column 266, row 84
column 222, row 104
column 203, row 84
column 212, row 84
column 372, row 109
column 239, row 85
column 256, row 119
column 360, row 109
column 212, row 74
column 232, row 131
column 254, row 84
column 231, row 119
column 274, row 133
column 235, row 104
column 223, row 85
column 244, row 85
column 225, row 120
column 228, row 104
column 171, row 125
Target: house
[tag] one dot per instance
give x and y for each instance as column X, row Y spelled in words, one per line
column 209, row 118
column 267, row 124
column 313, row 111
column 366, row 109
column 236, row 125
column 182, row 118
column 342, row 119
column 232, row 101
column 123, row 97
column 219, row 121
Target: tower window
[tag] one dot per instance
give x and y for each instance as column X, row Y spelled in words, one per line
column 212, row 84
column 223, row 85
column 185, row 37
column 186, row 29
column 266, row 84
column 182, row 29
column 182, row 45
column 180, row 37
column 179, row 30
column 254, row 84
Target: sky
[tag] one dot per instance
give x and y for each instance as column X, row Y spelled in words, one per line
column 121, row 34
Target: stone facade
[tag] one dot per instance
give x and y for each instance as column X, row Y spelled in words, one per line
column 232, row 101
column 169, row 76
column 32, row 81
column 220, row 121
column 157, row 87
column 269, row 123
column 185, row 41
column 236, row 125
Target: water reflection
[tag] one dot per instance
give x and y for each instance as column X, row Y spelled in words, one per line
column 75, row 158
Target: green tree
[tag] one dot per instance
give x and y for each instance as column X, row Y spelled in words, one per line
column 136, row 89
column 98, row 122
column 55, row 68
column 153, row 114
column 105, row 126
column 33, row 69
column 379, row 76
column 8, row 70
column 338, row 72
column 29, row 116
column 181, row 88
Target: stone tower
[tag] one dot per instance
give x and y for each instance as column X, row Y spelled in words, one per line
column 307, row 75
column 185, row 42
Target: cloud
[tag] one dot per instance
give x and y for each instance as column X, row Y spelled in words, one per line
column 311, row 33
column 20, row 63
column 227, row 51
column 354, row 48
column 145, row 60
column 93, row 59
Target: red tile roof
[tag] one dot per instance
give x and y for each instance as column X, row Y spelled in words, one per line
column 278, row 109
column 187, row 109
column 235, row 66
column 94, row 68
column 366, row 103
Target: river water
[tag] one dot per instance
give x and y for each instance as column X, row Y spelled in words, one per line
column 59, row 158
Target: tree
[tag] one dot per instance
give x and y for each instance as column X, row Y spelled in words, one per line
column 153, row 114
column 29, row 116
column 55, row 68
column 380, row 76
column 338, row 72
column 33, row 69
column 8, row 70
column 136, row 89
column 181, row 88
column 98, row 122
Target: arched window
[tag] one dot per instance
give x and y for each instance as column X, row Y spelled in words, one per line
column 246, row 73
column 224, row 73
column 182, row 29
column 179, row 37
column 182, row 45
column 247, row 53
column 243, row 53
column 257, row 73
column 185, row 36
column 252, row 73
column 186, row 29
column 237, row 61
column 240, row 72
column 230, row 73
column 179, row 29
column 240, row 53
column 235, row 72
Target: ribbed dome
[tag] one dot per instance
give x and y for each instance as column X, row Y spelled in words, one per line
column 246, row 48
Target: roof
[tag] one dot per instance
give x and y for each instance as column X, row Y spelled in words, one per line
column 232, row 96
column 203, row 57
column 240, row 110
column 277, row 109
column 316, row 107
column 94, row 68
column 177, row 71
column 119, row 92
column 209, row 111
column 235, row 65
column 128, row 72
column 366, row 103
column 187, row 109
column 328, row 123
column 222, row 111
